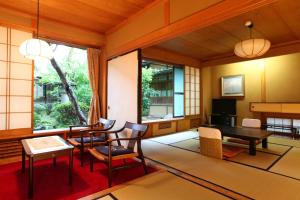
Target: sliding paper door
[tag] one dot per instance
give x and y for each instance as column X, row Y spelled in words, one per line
column 122, row 88
column 15, row 82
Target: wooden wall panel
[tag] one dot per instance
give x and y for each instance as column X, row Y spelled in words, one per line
column 169, row 56
column 163, row 131
column 183, row 125
column 148, row 21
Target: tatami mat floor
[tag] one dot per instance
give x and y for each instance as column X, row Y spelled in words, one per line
column 271, row 174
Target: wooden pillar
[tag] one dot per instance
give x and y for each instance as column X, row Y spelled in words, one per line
column 103, row 82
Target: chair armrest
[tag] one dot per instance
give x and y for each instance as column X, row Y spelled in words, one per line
column 118, row 139
column 105, row 132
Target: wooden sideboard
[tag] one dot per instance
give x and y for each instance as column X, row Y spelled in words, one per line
column 292, row 108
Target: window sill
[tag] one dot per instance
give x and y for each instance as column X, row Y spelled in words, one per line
column 58, row 131
column 162, row 120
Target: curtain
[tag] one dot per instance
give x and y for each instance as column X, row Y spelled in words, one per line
column 94, row 76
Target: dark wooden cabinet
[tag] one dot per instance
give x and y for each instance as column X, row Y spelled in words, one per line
column 225, row 120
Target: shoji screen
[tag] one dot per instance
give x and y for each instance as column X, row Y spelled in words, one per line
column 192, row 91
column 122, row 88
column 15, row 81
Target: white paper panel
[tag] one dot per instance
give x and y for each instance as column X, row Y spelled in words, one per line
column 17, row 57
column 20, row 104
column 3, row 69
column 192, row 102
column 187, row 102
column 197, row 87
column 187, row 111
column 193, row 111
column 17, row 37
column 187, row 78
column 192, row 95
column 2, row 104
column 2, row 121
column 197, row 72
column 2, row 86
column 3, row 52
column 187, row 94
column 197, row 95
column 192, row 71
column 197, row 110
column 122, row 88
column 21, row 71
column 193, row 79
column 197, row 102
column 3, row 35
column 187, row 70
column 197, row 80
column 20, row 87
column 20, row 120
column 187, row 86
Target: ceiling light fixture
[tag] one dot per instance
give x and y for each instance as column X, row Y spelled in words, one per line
column 35, row 48
column 253, row 47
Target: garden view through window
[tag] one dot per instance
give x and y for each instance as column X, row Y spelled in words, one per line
column 162, row 91
column 54, row 100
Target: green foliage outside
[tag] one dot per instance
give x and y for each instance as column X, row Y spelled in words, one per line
column 57, row 111
column 147, row 90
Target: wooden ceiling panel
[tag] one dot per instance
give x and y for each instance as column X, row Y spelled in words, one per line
column 279, row 22
column 289, row 12
column 94, row 15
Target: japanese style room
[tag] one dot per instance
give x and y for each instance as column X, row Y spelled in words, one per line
column 149, row 99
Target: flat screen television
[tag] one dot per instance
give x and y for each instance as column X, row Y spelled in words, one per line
column 224, row 106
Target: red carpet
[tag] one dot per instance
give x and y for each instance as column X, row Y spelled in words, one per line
column 52, row 182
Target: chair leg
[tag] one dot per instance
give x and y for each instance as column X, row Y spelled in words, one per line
column 144, row 163
column 91, row 163
column 109, row 173
column 81, row 155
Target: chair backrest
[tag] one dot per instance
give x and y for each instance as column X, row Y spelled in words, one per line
column 106, row 124
column 251, row 123
column 136, row 131
column 210, row 142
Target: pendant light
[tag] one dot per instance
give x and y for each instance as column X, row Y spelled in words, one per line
column 36, row 48
column 253, row 47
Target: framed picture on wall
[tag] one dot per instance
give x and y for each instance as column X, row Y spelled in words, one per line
column 233, row 86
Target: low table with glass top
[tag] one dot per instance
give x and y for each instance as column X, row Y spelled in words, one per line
column 43, row 148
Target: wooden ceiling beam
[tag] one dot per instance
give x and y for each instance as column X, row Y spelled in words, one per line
column 160, row 54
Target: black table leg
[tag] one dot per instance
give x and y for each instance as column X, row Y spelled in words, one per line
column 252, row 147
column 30, row 189
column 23, row 160
column 265, row 143
column 71, row 167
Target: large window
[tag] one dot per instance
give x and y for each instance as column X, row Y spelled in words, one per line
column 162, row 91
column 53, row 106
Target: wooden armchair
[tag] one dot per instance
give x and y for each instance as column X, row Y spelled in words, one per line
column 112, row 151
column 85, row 140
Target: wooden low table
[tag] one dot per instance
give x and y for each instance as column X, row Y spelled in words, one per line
column 249, row 134
column 43, row 148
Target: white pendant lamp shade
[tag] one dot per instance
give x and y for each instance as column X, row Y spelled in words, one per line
column 36, row 48
column 252, row 48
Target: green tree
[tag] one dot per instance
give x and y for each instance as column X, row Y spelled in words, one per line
column 73, row 65
column 147, row 90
